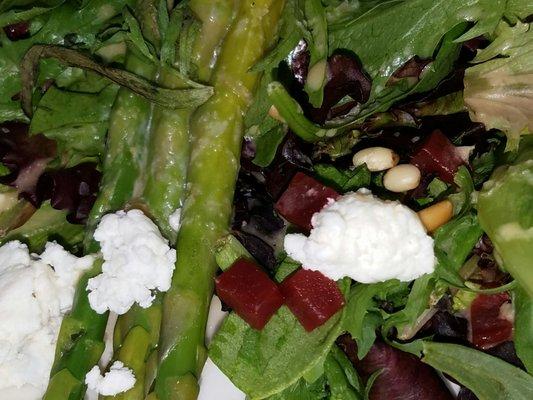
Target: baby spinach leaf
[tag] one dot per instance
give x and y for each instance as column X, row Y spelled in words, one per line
column 347, row 180
column 487, row 376
column 267, row 146
column 263, row 363
column 523, row 327
column 78, row 134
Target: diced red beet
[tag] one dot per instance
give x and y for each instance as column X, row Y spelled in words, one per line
column 437, row 155
column 312, row 297
column 403, row 376
column 488, row 326
column 304, row 197
column 249, row 292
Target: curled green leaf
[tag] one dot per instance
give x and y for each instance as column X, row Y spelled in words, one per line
column 170, row 98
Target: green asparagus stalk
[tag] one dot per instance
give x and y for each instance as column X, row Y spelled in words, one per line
column 126, row 142
column 137, row 332
column 168, row 158
column 80, row 342
column 217, row 130
column 216, row 17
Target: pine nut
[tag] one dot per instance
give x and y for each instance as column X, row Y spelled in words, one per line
column 376, row 158
column 402, row 178
column 436, row 215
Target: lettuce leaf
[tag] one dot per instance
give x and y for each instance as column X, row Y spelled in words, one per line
column 499, row 89
column 263, row 363
column 504, row 211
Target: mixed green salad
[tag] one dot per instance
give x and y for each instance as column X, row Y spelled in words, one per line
column 252, row 120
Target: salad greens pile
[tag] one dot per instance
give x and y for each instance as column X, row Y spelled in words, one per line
column 120, row 104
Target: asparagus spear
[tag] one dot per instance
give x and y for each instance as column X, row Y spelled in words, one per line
column 80, row 343
column 126, row 142
column 216, row 17
column 137, row 332
column 217, row 129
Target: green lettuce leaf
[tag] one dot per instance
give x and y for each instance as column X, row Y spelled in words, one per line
column 505, row 214
column 395, row 41
column 499, row 89
column 263, row 363
column 70, row 21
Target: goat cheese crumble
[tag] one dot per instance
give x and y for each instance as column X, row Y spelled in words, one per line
column 119, row 379
column 365, row 238
column 137, row 261
column 35, row 293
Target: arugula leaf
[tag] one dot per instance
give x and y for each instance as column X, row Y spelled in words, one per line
column 263, row 363
column 363, row 315
column 342, row 380
column 302, row 390
column 523, row 326
column 488, row 377
column 135, row 36
column 462, row 200
column 406, row 320
column 457, row 238
column 10, row 15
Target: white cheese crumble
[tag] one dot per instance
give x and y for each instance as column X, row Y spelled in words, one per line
column 35, row 293
column 137, row 261
column 119, row 379
column 365, row 238
column 175, row 219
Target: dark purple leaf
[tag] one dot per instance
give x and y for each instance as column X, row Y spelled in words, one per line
column 466, row 394
column 25, row 156
column 72, row 189
column 411, row 70
column 17, row 31
column 507, row 352
column 403, row 376
column 447, row 327
column 261, row 251
column 345, row 77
